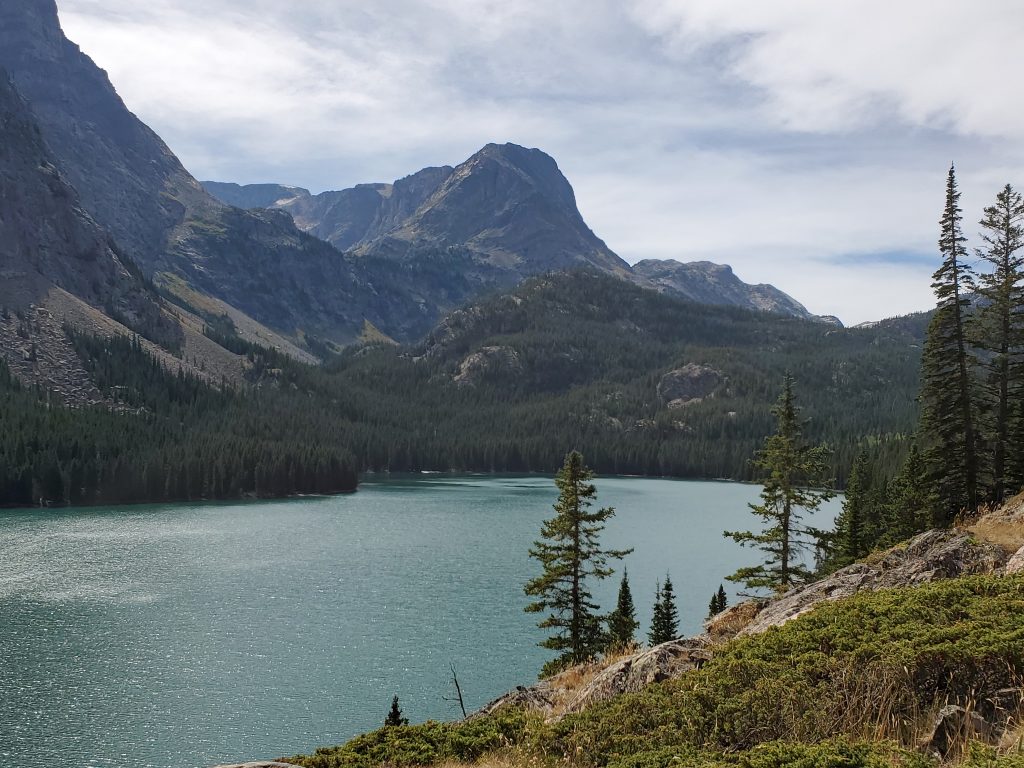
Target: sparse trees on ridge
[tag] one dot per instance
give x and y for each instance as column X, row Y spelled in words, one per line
column 665, row 619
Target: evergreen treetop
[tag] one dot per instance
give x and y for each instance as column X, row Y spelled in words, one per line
column 622, row 623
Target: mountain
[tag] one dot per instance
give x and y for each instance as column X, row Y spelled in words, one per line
column 310, row 269
column 256, row 263
column 509, row 210
column 709, row 283
column 46, row 238
column 641, row 382
column 58, row 266
column 508, row 206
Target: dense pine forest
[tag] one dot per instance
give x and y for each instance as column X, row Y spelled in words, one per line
column 506, row 385
column 172, row 438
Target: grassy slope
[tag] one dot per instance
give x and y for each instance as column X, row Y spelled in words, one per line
column 853, row 683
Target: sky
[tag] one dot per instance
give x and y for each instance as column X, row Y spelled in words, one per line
column 805, row 143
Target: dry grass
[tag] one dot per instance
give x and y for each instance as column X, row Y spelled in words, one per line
column 1003, row 527
column 732, row 620
column 512, row 758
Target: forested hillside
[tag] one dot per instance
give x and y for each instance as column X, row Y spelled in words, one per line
column 640, row 382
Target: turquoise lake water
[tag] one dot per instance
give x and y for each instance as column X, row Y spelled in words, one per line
column 186, row 635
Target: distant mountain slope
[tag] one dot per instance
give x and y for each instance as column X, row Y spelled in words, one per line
column 507, row 206
column 709, row 283
column 640, row 381
column 510, row 210
column 252, row 195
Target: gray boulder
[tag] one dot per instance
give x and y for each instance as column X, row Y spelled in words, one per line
column 954, row 727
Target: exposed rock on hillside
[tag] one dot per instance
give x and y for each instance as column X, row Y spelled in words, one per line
column 930, row 556
column 709, row 283
column 486, row 363
column 691, row 383
column 633, row 673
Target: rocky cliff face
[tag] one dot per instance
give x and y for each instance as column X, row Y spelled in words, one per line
column 47, row 239
column 134, row 186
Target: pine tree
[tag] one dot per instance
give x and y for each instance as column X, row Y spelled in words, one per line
column 947, row 411
column 853, row 539
column 719, row 602
column 998, row 327
column 665, row 622
column 394, row 717
column 797, row 482
column 570, row 555
column 911, row 499
column 622, row 623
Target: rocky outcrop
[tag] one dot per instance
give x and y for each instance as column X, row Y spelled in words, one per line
column 538, row 697
column 689, row 384
column 930, row 556
column 258, row 764
column 1016, row 562
column 662, row 662
column 486, row 363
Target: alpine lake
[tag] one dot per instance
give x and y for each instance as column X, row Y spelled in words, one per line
column 187, row 635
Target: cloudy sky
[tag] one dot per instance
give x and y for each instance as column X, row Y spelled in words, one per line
column 803, row 142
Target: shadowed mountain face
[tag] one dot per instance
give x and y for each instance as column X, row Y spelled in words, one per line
column 134, row 186
column 47, row 239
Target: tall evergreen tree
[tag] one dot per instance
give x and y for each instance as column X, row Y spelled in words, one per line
column 394, row 717
column 998, row 328
column 947, row 410
column 665, row 621
column 622, row 623
column 570, row 555
column 796, row 483
column 853, row 534
column 911, row 499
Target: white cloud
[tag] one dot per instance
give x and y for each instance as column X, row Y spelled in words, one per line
column 782, row 137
